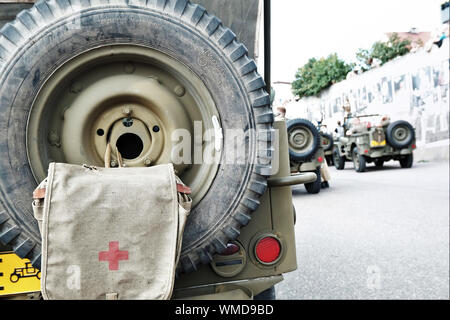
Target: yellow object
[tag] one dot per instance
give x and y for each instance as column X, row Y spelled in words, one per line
column 17, row 275
column 375, row 143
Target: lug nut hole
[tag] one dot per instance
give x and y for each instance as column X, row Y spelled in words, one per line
column 100, row 132
column 156, row 129
column 127, row 122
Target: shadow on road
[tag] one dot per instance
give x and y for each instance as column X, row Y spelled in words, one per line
column 371, row 167
column 296, row 190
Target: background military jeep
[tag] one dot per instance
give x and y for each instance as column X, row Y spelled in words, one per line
column 73, row 76
column 374, row 141
column 306, row 151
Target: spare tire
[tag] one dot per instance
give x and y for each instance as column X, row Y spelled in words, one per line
column 327, row 141
column 303, row 138
column 66, row 70
column 400, row 134
column 339, row 162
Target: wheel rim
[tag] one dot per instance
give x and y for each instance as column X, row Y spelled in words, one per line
column 135, row 98
column 401, row 133
column 300, row 140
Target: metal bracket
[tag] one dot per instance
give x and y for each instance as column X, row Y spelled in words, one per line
column 294, row 179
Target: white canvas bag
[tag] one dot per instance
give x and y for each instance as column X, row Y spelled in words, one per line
column 110, row 233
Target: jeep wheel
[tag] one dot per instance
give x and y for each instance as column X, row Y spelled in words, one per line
column 407, row 161
column 304, row 139
column 327, row 141
column 400, row 134
column 359, row 161
column 73, row 76
column 338, row 161
column 315, row 186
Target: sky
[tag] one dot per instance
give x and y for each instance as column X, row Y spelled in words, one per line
column 302, row 29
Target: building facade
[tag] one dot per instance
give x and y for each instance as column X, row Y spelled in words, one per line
column 414, row 87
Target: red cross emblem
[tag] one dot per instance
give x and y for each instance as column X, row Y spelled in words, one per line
column 113, row 256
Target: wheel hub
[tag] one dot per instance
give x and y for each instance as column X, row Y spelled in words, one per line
column 400, row 133
column 132, row 97
column 97, row 117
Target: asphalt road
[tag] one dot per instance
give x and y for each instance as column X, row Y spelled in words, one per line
column 381, row 234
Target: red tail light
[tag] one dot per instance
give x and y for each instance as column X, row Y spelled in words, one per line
column 366, row 151
column 320, row 159
column 413, row 146
column 268, row 250
column 369, row 125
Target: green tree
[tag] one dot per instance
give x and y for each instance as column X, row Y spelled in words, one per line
column 384, row 51
column 317, row 75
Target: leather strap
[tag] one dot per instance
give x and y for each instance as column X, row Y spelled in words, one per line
column 39, row 194
column 183, row 189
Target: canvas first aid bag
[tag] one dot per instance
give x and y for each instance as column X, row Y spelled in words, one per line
column 110, row 233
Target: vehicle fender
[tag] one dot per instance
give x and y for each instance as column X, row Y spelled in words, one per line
column 406, row 151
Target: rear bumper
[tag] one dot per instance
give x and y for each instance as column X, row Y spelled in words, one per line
column 388, row 152
column 233, row 290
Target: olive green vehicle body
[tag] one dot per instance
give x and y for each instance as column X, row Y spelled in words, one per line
column 275, row 216
column 370, row 143
column 312, row 166
column 309, row 166
column 246, row 276
column 362, row 142
column 306, row 150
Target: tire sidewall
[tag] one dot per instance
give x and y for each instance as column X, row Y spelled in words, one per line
column 309, row 153
column 338, row 161
column 315, row 186
column 330, row 138
column 361, row 160
column 407, row 161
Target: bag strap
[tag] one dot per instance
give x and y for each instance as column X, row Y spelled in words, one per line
column 108, row 157
column 39, row 192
